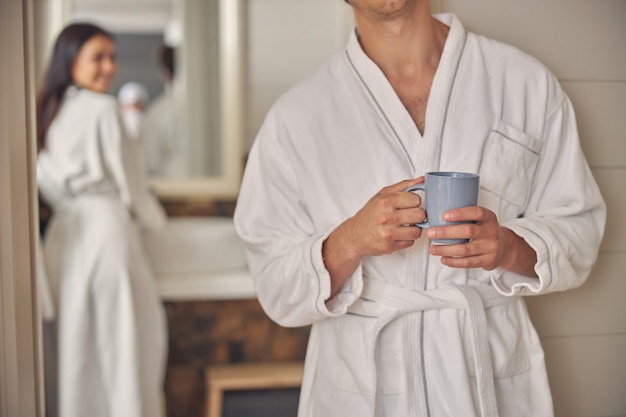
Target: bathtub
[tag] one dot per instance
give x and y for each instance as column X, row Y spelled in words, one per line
column 199, row 258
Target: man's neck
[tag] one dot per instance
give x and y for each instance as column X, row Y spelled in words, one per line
column 406, row 45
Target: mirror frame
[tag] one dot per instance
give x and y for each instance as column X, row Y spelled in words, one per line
column 232, row 105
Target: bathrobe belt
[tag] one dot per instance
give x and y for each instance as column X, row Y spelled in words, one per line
column 473, row 300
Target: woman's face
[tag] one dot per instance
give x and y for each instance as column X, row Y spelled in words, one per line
column 95, row 67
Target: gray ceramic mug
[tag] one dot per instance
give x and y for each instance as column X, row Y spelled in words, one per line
column 445, row 191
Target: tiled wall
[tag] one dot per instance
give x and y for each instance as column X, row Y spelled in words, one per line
column 215, row 332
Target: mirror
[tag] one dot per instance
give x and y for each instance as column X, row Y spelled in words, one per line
column 225, row 143
column 208, row 83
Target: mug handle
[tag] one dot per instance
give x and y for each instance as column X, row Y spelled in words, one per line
column 419, row 187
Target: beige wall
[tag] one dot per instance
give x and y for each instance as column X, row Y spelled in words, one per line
column 287, row 40
column 583, row 43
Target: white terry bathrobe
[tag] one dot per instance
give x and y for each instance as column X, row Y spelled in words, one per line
column 407, row 336
column 111, row 327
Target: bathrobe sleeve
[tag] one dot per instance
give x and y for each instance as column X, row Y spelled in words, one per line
column 111, row 139
column 123, row 159
column 284, row 249
column 565, row 219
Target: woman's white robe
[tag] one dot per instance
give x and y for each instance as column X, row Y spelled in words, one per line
column 407, row 336
column 111, row 327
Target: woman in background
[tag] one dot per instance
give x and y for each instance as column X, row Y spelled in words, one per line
column 111, row 325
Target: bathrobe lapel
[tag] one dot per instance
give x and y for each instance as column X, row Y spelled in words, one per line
column 423, row 151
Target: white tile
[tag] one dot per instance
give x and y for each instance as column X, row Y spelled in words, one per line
column 285, row 66
column 612, row 183
column 258, row 105
column 587, row 375
column 595, row 308
column 600, row 113
column 576, row 39
column 287, row 41
column 288, row 22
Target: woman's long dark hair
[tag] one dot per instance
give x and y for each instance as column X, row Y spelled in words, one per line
column 59, row 73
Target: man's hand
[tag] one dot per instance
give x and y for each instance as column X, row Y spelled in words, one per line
column 382, row 226
column 491, row 246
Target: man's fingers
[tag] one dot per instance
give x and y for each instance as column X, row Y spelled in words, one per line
column 470, row 213
column 402, row 185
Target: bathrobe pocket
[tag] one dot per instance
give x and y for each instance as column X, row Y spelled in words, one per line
column 354, row 369
column 507, row 170
column 354, row 347
column 344, row 375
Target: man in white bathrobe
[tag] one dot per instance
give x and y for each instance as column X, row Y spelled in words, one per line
column 402, row 327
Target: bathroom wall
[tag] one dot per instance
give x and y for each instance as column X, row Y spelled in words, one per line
column 287, row 40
